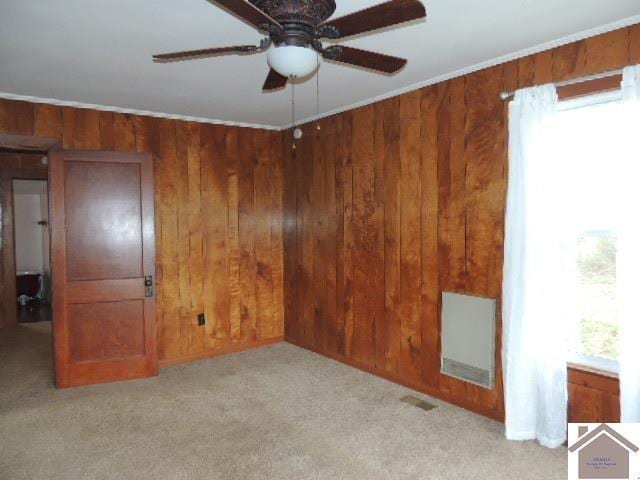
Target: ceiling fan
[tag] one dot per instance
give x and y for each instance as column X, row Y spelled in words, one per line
column 297, row 27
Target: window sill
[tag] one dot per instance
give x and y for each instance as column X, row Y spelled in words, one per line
column 594, row 370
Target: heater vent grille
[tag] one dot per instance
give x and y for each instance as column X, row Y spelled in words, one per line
column 469, row 338
column 467, row 373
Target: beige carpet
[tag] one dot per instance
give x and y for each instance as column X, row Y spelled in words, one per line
column 275, row 413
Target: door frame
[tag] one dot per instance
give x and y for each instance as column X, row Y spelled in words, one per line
column 16, row 144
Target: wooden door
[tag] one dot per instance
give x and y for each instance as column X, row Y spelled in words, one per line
column 102, row 250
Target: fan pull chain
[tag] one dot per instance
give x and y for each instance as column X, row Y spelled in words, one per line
column 318, row 94
column 293, row 112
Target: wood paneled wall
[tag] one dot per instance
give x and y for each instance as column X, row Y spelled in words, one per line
column 390, row 204
column 593, row 397
column 218, row 199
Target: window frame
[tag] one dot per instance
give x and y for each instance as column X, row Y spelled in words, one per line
column 579, row 361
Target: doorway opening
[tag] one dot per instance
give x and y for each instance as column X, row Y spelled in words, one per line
column 31, row 246
column 26, row 327
column 23, row 260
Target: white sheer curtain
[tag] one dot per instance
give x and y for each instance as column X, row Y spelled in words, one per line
column 539, row 276
column 628, row 257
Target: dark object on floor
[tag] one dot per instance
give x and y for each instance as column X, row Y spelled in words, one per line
column 34, row 312
column 416, row 402
column 27, row 284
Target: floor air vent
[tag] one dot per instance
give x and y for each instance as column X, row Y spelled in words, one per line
column 416, row 402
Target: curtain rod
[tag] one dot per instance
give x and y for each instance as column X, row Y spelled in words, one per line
column 612, row 73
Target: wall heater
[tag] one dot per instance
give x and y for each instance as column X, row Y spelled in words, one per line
column 468, row 338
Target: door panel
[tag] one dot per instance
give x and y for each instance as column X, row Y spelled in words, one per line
column 103, row 239
column 104, row 229
column 106, row 330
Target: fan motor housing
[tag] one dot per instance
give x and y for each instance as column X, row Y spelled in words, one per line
column 308, row 12
column 299, row 19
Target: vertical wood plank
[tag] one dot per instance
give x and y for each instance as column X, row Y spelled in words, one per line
column 330, row 233
column 586, row 405
column 247, row 231
column 432, row 99
column 47, row 120
column 180, row 174
column 634, row 44
column 349, row 243
column 299, row 160
column 363, row 230
column 107, row 132
column 81, row 129
column 198, row 334
column 124, row 132
column 452, row 171
column 392, row 233
column 485, row 192
column 376, row 225
column 277, row 232
column 318, row 227
column 16, row 117
column 263, row 246
column 291, row 246
column 611, row 409
column 339, row 133
column 410, row 241
column 569, row 61
column 451, row 205
column 607, row 52
column 233, row 230
column 305, row 155
column 168, row 174
column 444, row 205
column 214, row 191
column 526, row 71
column 299, row 167
column 543, row 68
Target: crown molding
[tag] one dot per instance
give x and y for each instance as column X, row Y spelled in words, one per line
column 625, row 22
column 133, row 111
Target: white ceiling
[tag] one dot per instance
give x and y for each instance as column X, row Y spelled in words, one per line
column 99, row 52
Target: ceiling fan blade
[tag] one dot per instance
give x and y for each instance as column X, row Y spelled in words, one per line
column 207, row 52
column 374, row 18
column 364, row 58
column 247, row 12
column 274, row 81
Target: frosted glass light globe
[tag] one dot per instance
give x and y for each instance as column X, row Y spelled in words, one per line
column 292, row 61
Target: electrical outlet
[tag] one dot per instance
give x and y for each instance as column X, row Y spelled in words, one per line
column 202, row 320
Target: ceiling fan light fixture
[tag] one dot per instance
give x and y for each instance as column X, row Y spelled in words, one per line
column 293, row 61
column 297, row 28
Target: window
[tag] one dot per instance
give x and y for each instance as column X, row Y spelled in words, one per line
column 587, row 137
column 596, row 340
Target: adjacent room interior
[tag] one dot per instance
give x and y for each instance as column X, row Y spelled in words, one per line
column 409, row 253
